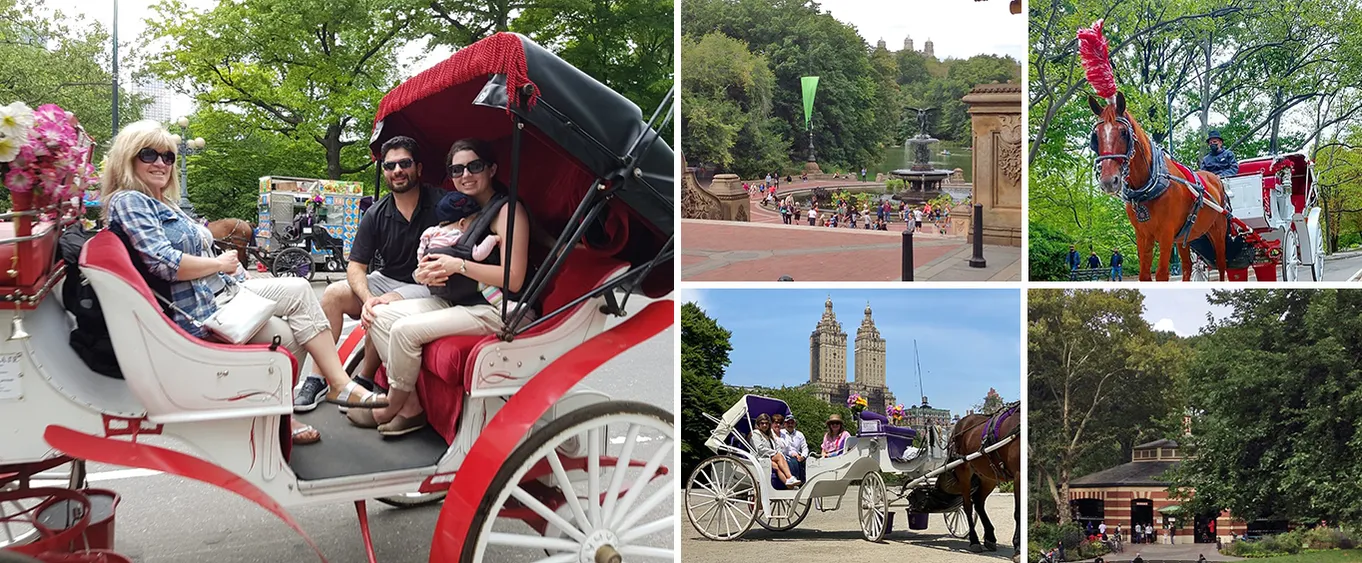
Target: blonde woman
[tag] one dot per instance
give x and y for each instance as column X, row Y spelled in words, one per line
column 175, row 253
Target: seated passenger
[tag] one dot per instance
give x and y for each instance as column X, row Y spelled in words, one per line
column 403, row 327
column 796, row 448
column 140, row 193
column 836, row 437
column 764, row 446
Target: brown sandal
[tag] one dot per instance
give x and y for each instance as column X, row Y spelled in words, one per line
column 300, row 440
column 348, row 397
column 363, row 418
column 401, row 425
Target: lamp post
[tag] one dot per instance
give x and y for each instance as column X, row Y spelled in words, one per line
column 187, row 147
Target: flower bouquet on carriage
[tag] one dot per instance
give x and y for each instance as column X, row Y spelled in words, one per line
column 857, row 403
column 45, row 166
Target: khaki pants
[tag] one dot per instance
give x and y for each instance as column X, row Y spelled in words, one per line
column 402, row 328
column 298, row 316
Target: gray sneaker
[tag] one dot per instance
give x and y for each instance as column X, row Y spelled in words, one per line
column 312, row 393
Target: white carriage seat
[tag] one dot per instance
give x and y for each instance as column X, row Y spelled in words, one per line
column 177, row 376
column 454, row 368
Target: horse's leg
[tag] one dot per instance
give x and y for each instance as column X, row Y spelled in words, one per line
column 1165, row 255
column 1185, row 252
column 963, row 476
column 1145, row 243
column 990, row 540
column 1218, row 232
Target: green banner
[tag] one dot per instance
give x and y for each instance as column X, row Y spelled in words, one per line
column 810, row 86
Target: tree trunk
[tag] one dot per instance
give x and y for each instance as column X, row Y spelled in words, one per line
column 333, row 145
column 1206, row 90
column 1276, row 122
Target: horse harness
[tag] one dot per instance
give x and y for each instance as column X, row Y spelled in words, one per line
column 1159, row 179
column 990, row 436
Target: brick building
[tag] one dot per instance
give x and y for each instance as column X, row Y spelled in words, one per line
column 1136, row 493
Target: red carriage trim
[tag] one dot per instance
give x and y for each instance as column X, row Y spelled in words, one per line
column 1093, row 50
column 502, row 53
column 504, row 432
column 132, row 454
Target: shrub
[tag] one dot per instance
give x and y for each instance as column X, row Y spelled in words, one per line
column 1349, row 240
column 893, row 185
column 1045, row 536
column 1090, row 549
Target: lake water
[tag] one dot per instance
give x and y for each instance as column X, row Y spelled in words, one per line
column 893, row 158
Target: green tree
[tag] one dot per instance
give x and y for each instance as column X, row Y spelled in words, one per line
column 624, row 44
column 64, row 59
column 1276, row 399
column 311, row 69
column 1099, row 382
column 704, row 356
column 726, row 104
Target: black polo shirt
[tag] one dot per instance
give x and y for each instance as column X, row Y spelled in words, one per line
column 385, row 235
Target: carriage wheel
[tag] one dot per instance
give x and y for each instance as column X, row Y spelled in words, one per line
column 1291, row 255
column 873, row 508
column 617, row 510
column 14, row 531
column 1200, row 271
column 721, row 498
column 293, row 262
column 1317, row 269
column 785, row 514
column 955, row 523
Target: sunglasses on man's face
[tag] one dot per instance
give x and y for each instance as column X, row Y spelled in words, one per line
column 473, row 167
column 149, row 155
column 395, row 164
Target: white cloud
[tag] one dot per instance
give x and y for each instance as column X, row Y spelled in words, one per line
column 1165, row 325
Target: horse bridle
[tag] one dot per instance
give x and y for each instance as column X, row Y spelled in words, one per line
column 1128, row 134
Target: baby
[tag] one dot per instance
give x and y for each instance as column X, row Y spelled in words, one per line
column 455, row 213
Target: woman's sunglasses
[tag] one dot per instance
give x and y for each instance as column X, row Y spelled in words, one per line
column 473, row 167
column 149, row 155
column 395, row 164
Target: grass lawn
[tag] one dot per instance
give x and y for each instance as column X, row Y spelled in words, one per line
column 1331, row 556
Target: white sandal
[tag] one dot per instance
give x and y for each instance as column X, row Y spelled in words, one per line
column 345, row 397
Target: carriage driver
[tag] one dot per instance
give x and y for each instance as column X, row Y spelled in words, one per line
column 389, row 232
column 1220, row 161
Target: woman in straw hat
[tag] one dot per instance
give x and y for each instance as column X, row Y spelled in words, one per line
column 836, row 437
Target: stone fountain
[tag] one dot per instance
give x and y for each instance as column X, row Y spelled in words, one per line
column 924, row 180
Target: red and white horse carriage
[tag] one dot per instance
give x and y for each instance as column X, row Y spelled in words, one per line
column 510, row 437
column 1274, row 222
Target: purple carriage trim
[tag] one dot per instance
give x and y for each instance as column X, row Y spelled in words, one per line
column 995, row 422
column 899, row 438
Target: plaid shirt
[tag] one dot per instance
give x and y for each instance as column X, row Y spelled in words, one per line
column 161, row 235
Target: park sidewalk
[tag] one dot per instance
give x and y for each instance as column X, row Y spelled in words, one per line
column 737, row 251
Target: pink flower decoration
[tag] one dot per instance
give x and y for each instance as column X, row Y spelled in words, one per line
column 19, row 181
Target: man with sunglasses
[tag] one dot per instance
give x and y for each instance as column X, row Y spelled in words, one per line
column 389, row 234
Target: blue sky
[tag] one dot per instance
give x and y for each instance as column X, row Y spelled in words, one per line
column 968, row 340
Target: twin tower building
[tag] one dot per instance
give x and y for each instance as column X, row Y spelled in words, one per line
column 828, row 362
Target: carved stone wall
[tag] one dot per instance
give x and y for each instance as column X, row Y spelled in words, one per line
column 725, row 200
column 995, row 113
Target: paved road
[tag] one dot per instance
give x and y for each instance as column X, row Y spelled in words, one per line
column 836, row 536
column 1341, row 267
column 166, row 519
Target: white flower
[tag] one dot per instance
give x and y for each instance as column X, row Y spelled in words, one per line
column 9, row 148
column 15, row 121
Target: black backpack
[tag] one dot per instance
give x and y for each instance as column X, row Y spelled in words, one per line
column 90, row 339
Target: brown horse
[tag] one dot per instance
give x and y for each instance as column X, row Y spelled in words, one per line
column 235, row 233
column 972, row 434
column 1126, row 164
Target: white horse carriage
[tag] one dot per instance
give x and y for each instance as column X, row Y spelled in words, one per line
column 729, row 491
column 510, row 437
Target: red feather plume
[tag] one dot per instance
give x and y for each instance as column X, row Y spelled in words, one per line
column 1093, row 50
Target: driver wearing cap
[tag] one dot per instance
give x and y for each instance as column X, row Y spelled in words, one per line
column 1221, row 160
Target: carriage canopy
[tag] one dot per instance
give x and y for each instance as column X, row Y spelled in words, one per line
column 740, row 419
column 577, row 131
